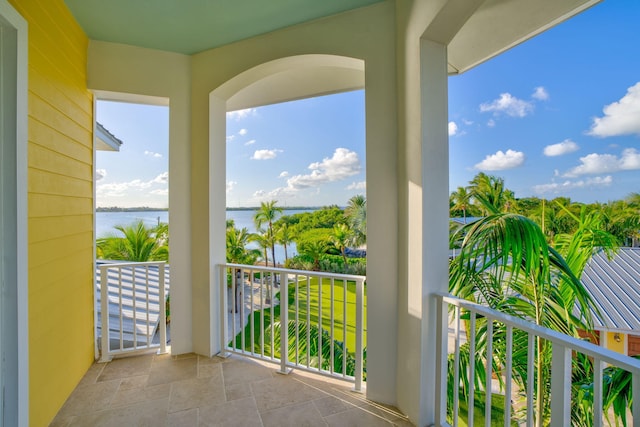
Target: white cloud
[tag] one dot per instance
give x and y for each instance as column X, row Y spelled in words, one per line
column 343, row 164
column 559, row 187
column 230, row 186
column 621, row 117
column 491, row 123
column 283, row 174
column 230, row 138
column 152, row 154
column 100, row 174
column 362, row 185
column 265, row 154
column 540, row 93
column 453, row 128
column 250, row 142
column 467, row 122
column 594, row 163
column 501, row 161
column 121, row 189
column 241, row 114
column 242, row 132
column 509, row 105
column 564, row 147
column 160, row 192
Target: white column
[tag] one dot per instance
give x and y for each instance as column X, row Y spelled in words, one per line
column 435, row 211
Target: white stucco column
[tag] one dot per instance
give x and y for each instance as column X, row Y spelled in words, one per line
column 435, row 208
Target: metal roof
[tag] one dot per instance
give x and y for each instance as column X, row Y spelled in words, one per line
column 614, row 286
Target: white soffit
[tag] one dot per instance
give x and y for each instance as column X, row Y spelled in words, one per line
column 498, row 25
column 296, row 84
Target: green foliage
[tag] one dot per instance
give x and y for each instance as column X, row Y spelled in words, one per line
column 137, row 243
column 506, row 263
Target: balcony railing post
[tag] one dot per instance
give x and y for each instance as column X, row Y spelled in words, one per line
column 224, row 312
column 560, row 385
column 442, row 332
column 359, row 333
column 104, row 310
column 284, row 322
column 635, row 407
column 163, row 309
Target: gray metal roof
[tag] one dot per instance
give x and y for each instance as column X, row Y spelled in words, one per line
column 614, row 285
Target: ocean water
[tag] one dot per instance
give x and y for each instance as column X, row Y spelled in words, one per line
column 106, row 221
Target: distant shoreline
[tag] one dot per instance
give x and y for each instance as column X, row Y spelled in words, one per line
column 148, row 209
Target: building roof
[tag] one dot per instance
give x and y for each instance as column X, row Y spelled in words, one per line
column 105, row 140
column 615, row 288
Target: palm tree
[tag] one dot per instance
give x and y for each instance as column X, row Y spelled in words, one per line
column 460, row 200
column 284, row 237
column 138, row 243
column 356, row 213
column 314, row 249
column 237, row 252
column 268, row 213
column 506, row 263
column 341, row 237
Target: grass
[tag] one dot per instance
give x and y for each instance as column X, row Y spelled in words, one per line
column 310, row 294
column 497, row 410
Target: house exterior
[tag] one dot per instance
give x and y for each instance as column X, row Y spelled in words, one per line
column 57, row 60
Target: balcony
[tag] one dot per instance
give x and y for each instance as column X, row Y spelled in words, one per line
column 268, row 375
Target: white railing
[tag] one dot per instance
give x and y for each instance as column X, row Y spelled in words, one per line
column 564, row 348
column 323, row 314
column 132, row 307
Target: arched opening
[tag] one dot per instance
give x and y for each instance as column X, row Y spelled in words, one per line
column 281, row 80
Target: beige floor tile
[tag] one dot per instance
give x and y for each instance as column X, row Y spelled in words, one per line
column 237, row 413
column 195, row 393
column 280, row 391
column 244, row 371
column 89, row 398
column 138, row 381
column 92, row 374
column 146, row 414
column 205, row 371
column 126, row 367
column 169, row 370
column 237, row 391
column 128, row 397
column 356, row 417
column 203, row 360
column 188, row 418
column 301, row 415
column 331, row 405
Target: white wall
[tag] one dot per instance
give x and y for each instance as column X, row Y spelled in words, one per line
column 126, row 73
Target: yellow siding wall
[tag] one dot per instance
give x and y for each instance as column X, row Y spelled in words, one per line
column 614, row 345
column 60, row 197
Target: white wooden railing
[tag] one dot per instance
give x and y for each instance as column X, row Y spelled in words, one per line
column 252, row 290
column 132, row 307
column 564, row 348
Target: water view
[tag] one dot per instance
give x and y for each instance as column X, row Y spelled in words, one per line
column 106, row 221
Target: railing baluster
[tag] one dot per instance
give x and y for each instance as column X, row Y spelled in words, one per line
column 262, row 296
column 472, row 367
column 345, row 350
column 598, row 366
column 320, row 316
column 297, row 300
column 251, row 319
column 560, row 385
column 271, row 297
column 456, row 368
column 163, row 308
column 508, row 367
column 359, row 333
column 531, row 356
column 489, row 370
column 284, row 327
column 134, row 308
column 308, row 320
column 147, row 298
column 635, row 407
column 442, row 336
column 104, row 314
column 120, row 307
column 331, row 328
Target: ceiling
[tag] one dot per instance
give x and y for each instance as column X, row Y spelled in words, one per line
column 192, row 26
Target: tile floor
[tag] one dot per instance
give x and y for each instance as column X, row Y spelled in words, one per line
column 191, row 390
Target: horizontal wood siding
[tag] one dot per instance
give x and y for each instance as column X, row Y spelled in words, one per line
column 633, row 345
column 60, row 201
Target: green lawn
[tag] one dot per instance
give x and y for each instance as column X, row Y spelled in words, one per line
column 308, row 308
column 307, row 304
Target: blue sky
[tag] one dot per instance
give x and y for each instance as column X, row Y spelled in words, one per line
column 558, row 115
